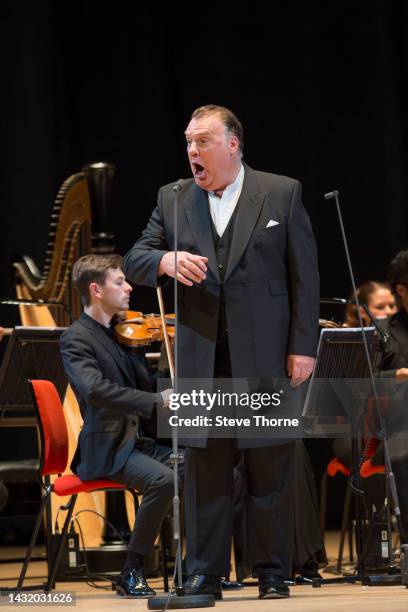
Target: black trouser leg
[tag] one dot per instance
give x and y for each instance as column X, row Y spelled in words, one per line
column 155, row 481
column 208, row 507
column 271, row 509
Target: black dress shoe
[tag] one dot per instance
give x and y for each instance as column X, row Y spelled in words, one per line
column 271, row 587
column 132, row 584
column 231, row 585
column 199, row 584
column 307, row 577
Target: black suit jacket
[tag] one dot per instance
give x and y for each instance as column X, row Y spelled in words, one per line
column 396, row 349
column 271, row 284
column 104, row 382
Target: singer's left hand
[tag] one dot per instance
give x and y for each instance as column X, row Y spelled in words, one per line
column 299, row 368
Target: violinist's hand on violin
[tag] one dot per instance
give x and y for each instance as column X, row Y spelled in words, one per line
column 190, row 268
column 299, row 368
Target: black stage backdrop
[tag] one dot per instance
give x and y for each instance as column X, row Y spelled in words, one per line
column 319, row 88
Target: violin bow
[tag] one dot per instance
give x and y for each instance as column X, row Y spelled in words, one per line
column 165, row 333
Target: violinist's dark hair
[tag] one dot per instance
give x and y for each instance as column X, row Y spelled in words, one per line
column 398, row 269
column 93, row 269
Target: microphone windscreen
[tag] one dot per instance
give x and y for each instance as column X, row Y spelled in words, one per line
column 331, row 194
column 177, row 186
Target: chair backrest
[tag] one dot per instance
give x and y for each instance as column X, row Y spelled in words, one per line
column 53, row 428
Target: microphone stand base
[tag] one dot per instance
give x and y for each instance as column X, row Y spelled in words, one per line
column 366, row 580
column 176, row 602
column 382, row 580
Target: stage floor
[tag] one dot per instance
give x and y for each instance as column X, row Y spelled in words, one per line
column 329, row 598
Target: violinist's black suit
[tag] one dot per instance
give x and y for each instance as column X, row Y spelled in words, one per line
column 113, row 390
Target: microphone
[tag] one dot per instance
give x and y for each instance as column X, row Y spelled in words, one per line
column 331, row 194
column 178, row 186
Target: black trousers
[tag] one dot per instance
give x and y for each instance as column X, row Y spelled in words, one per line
column 147, row 470
column 270, row 508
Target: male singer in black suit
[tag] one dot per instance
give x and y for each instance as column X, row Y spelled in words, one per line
column 248, row 308
column 113, row 389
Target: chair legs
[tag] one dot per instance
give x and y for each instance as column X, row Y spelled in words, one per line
column 345, row 526
column 40, row 515
column 55, row 562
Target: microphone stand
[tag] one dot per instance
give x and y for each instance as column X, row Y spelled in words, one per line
column 377, row 580
column 178, row 599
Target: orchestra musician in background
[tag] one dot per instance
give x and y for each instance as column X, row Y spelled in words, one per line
column 378, row 298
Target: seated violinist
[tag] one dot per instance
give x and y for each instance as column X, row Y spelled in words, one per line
column 114, row 392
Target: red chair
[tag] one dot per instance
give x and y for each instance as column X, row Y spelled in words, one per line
column 53, row 461
column 367, row 469
column 334, row 467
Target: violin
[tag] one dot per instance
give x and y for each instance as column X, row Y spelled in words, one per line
column 137, row 329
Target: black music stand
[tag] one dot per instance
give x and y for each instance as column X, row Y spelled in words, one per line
column 31, row 353
column 341, row 356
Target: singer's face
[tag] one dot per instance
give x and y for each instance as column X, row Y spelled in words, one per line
column 213, row 152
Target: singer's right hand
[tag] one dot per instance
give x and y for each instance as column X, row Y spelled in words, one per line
column 401, row 375
column 166, row 395
column 190, row 268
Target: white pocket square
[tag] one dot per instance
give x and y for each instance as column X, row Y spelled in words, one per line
column 271, row 223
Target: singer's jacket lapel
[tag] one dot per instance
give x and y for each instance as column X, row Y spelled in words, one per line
column 249, row 207
column 198, row 215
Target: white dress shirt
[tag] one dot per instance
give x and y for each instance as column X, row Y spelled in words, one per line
column 221, row 208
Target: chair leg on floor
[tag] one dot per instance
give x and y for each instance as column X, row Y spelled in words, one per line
column 33, row 539
column 51, row 578
column 344, row 525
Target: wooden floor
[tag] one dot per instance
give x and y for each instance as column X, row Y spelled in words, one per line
column 329, row 598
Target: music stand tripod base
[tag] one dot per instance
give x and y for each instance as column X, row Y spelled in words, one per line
column 177, row 602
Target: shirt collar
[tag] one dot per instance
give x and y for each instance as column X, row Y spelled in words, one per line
column 233, row 187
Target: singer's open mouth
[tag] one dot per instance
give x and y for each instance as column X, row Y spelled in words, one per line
column 198, row 170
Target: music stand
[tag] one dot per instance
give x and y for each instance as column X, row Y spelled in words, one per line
column 341, row 355
column 32, row 352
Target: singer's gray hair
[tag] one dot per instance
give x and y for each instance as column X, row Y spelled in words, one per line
column 229, row 119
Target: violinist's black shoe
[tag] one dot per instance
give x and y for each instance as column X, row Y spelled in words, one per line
column 271, row 587
column 199, row 584
column 132, row 584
